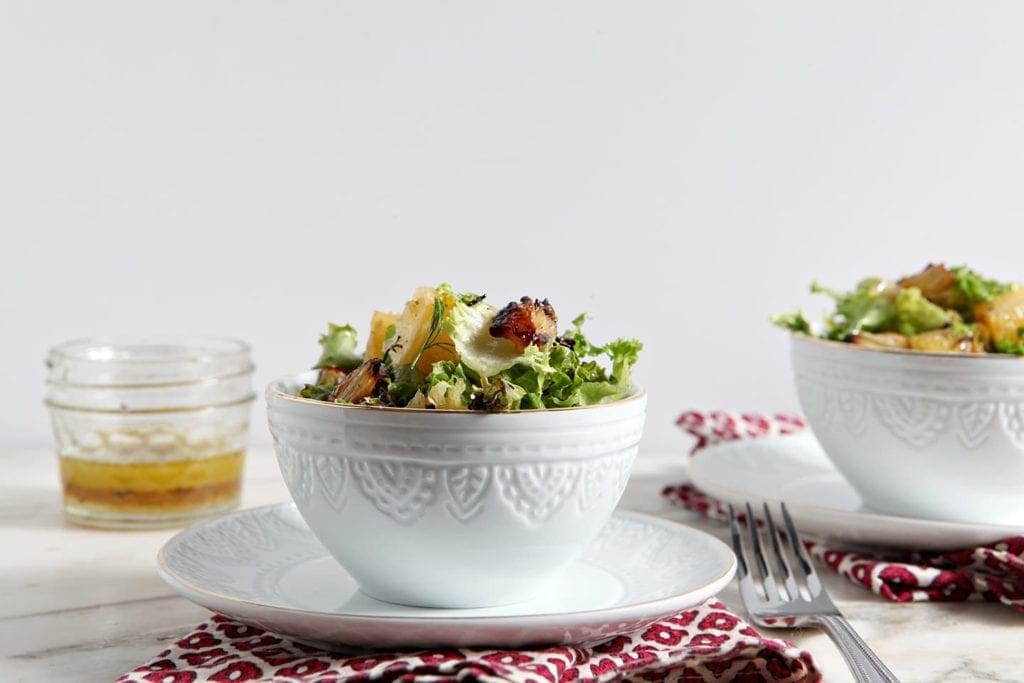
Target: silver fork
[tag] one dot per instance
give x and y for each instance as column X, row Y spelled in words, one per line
column 788, row 608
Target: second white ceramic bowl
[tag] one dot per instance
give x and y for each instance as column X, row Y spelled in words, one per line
column 939, row 436
column 453, row 508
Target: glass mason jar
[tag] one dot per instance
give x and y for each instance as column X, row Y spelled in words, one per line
column 150, row 432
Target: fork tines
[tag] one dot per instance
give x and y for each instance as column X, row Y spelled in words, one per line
column 787, row 606
column 778, row 549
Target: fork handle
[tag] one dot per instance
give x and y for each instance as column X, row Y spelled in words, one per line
column 863, row 662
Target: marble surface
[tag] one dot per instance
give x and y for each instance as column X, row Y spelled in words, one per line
column 86, row 605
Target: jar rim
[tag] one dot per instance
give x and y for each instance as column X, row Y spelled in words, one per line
column 159, row 360
column 178, row 349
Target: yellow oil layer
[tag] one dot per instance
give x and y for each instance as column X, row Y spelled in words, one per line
column 139, row 486
column 152, row 476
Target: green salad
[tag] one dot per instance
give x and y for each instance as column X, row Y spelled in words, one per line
column 454, row 351
column 938, row 309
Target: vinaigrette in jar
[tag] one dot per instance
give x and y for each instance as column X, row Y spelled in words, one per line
column 149, row 433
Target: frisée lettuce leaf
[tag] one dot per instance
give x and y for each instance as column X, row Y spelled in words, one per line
column 454, row 351
column 938, row 309
column 339, row 348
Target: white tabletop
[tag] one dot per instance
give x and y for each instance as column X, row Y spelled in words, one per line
column 86, row 605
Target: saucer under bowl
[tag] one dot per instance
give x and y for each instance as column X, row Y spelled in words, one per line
column 265, row 568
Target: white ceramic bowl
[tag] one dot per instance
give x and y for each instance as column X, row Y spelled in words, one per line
column 931, row 435
column 453, row 508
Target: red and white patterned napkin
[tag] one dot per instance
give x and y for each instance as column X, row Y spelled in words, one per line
column 707, row 643
column 992, row 572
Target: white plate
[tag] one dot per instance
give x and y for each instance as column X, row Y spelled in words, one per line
column 264, row 567
column 796, row 470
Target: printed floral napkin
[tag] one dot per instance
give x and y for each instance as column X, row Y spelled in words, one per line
column 707, row 643
column 992, row 572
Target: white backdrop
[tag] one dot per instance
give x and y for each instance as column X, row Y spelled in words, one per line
column 678, row 169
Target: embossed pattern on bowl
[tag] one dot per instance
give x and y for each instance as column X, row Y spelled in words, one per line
column 917, row 434
column 453, row 509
